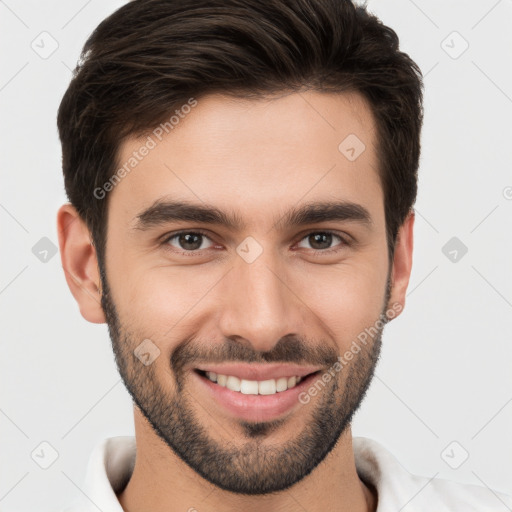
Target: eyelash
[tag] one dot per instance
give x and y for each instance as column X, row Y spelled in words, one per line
column 317, row 252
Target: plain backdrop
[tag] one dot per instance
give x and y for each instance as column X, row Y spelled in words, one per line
column 441, row 400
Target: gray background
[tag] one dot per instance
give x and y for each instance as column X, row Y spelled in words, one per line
column 443, row 386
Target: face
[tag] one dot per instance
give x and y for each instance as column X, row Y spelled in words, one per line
column 250, row 244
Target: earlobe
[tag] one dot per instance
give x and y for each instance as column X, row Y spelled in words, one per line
column 402, row 262
column 80, row 264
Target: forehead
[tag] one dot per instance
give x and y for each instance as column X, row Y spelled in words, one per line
column 254, row 156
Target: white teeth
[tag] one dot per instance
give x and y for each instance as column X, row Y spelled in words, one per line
column 282, row 384
column 267, row 387
column 233, row 383
column 254, row 387
column 249, row 387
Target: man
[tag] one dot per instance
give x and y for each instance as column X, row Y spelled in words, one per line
column 242, row 177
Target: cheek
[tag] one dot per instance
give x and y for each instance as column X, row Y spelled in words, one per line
column 348, row 299
column 163, row 304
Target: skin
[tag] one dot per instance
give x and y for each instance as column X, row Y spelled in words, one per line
column 214, row 298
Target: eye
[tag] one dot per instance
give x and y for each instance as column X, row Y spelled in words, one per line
column 188, row 241
column 322, row 240
column 195, row 241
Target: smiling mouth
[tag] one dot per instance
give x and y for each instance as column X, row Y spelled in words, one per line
column 255, row 387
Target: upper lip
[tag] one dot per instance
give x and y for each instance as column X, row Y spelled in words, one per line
column 254, row 371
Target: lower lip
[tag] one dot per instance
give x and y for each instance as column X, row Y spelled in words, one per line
column 255, row 407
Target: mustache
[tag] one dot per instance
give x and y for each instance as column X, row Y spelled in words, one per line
column 288, row 349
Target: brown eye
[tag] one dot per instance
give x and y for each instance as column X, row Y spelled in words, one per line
column 322, row 240
column 188, row 241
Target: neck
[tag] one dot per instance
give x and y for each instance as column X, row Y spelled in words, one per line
column 161, row 481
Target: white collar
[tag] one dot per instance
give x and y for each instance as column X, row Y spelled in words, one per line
column 112, row 460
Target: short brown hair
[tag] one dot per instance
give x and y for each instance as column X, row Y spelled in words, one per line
column 151, row 56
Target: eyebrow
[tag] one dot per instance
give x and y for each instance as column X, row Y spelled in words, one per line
column 165, row 211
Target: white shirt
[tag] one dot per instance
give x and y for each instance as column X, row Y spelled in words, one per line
column 111, row 465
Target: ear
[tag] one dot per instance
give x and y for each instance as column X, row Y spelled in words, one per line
column 402, row 263
column 80, row 263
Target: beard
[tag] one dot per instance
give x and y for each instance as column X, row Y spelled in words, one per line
column 252, row 467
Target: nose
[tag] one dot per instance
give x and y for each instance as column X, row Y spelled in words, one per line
column 259, row 305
